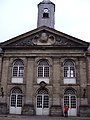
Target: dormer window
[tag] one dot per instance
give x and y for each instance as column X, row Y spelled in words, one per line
column 45, row 13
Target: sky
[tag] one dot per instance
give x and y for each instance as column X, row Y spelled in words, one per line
column 72, row 17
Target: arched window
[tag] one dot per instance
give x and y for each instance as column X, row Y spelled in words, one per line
column 69, row 69
column 43, row 68
column 18, row 68
column 70, row 91
column 43, row 71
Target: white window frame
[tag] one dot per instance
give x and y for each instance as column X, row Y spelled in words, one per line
column 69, row 71
column 69, row 78
column 43, row 71
column 19, row 73
column 43, row 77
column 18, row 77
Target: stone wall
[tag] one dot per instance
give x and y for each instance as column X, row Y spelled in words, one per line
column 28, row 109
column 84, row 110
column 3, row 108
column 56, row 110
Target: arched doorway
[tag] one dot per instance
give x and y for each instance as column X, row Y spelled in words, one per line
column 16, row 101
column 42, row 102
column 71, row 100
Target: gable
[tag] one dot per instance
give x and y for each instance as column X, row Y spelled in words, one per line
column 44, row 36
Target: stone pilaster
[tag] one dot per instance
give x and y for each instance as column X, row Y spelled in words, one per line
column 56, row 109
column 28, row 108
column 83, row 81
column 4, row 78
column 29, row 81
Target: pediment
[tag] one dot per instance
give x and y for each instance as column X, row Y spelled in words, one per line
column 44, row 36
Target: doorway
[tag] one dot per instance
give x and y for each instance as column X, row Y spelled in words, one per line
column 42, row 103
column 71, row 100
column 16, row 101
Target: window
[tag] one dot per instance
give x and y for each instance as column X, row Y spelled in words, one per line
column 43, row 69
column 18, row 69
column 69, row 69
column 16, row 98
column 69, row 72
column 45, row 14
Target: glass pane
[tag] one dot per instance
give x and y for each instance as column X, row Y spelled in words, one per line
column 39, row 101
column 73, row 102
column 69, row 63
column 46, row 71
column 21, row 70
column 13, row 100
column 40, row 71
column 66, row 100
column 15, row 71
column 72, row 71
column 46, row 102
column 18, row 62
column 19, row 101
column 16, row 90
column 65, row 71
column 43, row 63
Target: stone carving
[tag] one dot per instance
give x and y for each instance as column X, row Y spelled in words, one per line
column 25, row 42
column 44, row 39
column 64, row 42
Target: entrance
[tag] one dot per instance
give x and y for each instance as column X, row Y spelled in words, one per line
column 16, row 102
column 71, row 101
column 42, row 103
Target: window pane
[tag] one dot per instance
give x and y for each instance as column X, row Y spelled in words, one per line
column 73, row 102
column 15, row 71
column 46, row 71
column 13, row 100
column 21, row 69
column 40, row 71
column 46, row 102
column 65, row 71
column 66, row 100
column 19, row 101
column 72, row 71
column 39, row 101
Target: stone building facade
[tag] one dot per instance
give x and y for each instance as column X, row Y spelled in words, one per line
column 44, row 69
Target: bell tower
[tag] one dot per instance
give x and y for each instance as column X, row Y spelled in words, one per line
column 46, row 14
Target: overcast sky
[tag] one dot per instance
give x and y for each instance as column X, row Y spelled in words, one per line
column 19, row 16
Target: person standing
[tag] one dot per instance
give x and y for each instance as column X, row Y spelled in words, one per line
column 66, row 110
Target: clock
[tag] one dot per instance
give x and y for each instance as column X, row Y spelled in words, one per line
column 45, row 10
